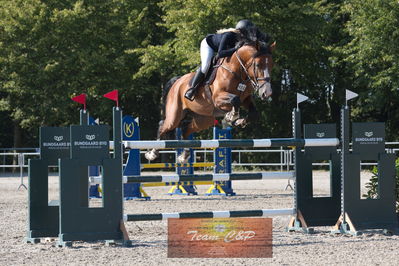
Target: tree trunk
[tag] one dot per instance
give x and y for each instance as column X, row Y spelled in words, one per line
column 17, row 135
column 17, row 144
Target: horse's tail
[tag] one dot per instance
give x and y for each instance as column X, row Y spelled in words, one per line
column 165, row 91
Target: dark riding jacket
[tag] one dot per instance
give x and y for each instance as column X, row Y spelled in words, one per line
column 223, row 43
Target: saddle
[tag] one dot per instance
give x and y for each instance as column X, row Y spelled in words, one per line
column 211, row 75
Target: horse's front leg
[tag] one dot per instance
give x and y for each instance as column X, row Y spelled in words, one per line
column 252, row 116
column 184, row 156
column 232, row 116
column 228, row 103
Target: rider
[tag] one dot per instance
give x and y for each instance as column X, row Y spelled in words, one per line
column 224, row 44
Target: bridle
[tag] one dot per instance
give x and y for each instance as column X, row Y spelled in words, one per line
column 254, row 81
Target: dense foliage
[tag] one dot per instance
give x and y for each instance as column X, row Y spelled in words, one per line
column 372, row 186
column 52, row 50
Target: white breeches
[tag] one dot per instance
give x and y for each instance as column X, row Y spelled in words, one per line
column 206, row 56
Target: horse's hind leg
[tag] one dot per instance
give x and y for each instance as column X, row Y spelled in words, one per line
column 154, row 153
column 197, row 123
column 165, row 131
column 185, row 154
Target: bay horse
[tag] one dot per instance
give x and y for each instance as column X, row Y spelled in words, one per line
column 238, row 77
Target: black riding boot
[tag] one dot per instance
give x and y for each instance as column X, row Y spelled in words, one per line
column 197, row 79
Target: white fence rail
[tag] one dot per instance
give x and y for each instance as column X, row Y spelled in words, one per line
column 18, row 160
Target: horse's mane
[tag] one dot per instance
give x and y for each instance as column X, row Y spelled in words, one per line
column 254, row 37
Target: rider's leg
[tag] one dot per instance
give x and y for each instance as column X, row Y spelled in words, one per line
column 195, row 81
column 206, row 57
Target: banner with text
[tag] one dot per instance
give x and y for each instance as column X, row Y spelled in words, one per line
column 220, row 238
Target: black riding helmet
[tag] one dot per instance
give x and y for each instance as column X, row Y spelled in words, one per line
column 244, row 24
column 248, row 30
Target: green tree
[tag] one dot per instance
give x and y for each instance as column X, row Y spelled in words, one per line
column 373, row 56
column 51, row 50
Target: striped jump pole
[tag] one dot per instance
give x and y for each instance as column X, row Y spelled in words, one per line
column 211, row 214
column 173, row 165
column 165, row 184
column 231, row 143
column 209, row 177
column 201, row 177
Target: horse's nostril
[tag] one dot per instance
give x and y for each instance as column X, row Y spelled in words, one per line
column 266, row 95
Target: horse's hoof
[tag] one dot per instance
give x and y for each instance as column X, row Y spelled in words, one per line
column 241, row 123
column 150, row 155
column 181, row 159
column 227, row 118
column 231, row 116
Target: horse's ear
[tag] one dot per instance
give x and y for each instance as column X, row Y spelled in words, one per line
column 272, row 47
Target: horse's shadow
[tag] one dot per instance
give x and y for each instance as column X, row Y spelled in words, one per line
column 218, row 198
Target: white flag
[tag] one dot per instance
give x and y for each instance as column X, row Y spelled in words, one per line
column 350, row 95
column 300, row 98
column 137, row 120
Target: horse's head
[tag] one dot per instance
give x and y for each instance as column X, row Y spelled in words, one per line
column 257, row 62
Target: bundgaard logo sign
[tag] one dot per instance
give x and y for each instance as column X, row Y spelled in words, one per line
column 320, row 134
column 369, row 138
column 54, row 144
column 90, row 137
column 54, row 141
column 368, row 134
column 90, row 143
column 58, row 138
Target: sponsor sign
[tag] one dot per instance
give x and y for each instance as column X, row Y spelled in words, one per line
column 222, row 155
column 54, row 144
column 90, row 142
column 131, row 128
column 318, row 131
column 368, row 138
column 220, row 238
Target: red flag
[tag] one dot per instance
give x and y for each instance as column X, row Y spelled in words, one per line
column 215, row 122
column 80, row 99
column 113, row 95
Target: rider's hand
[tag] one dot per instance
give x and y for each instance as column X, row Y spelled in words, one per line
column 239, row 44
